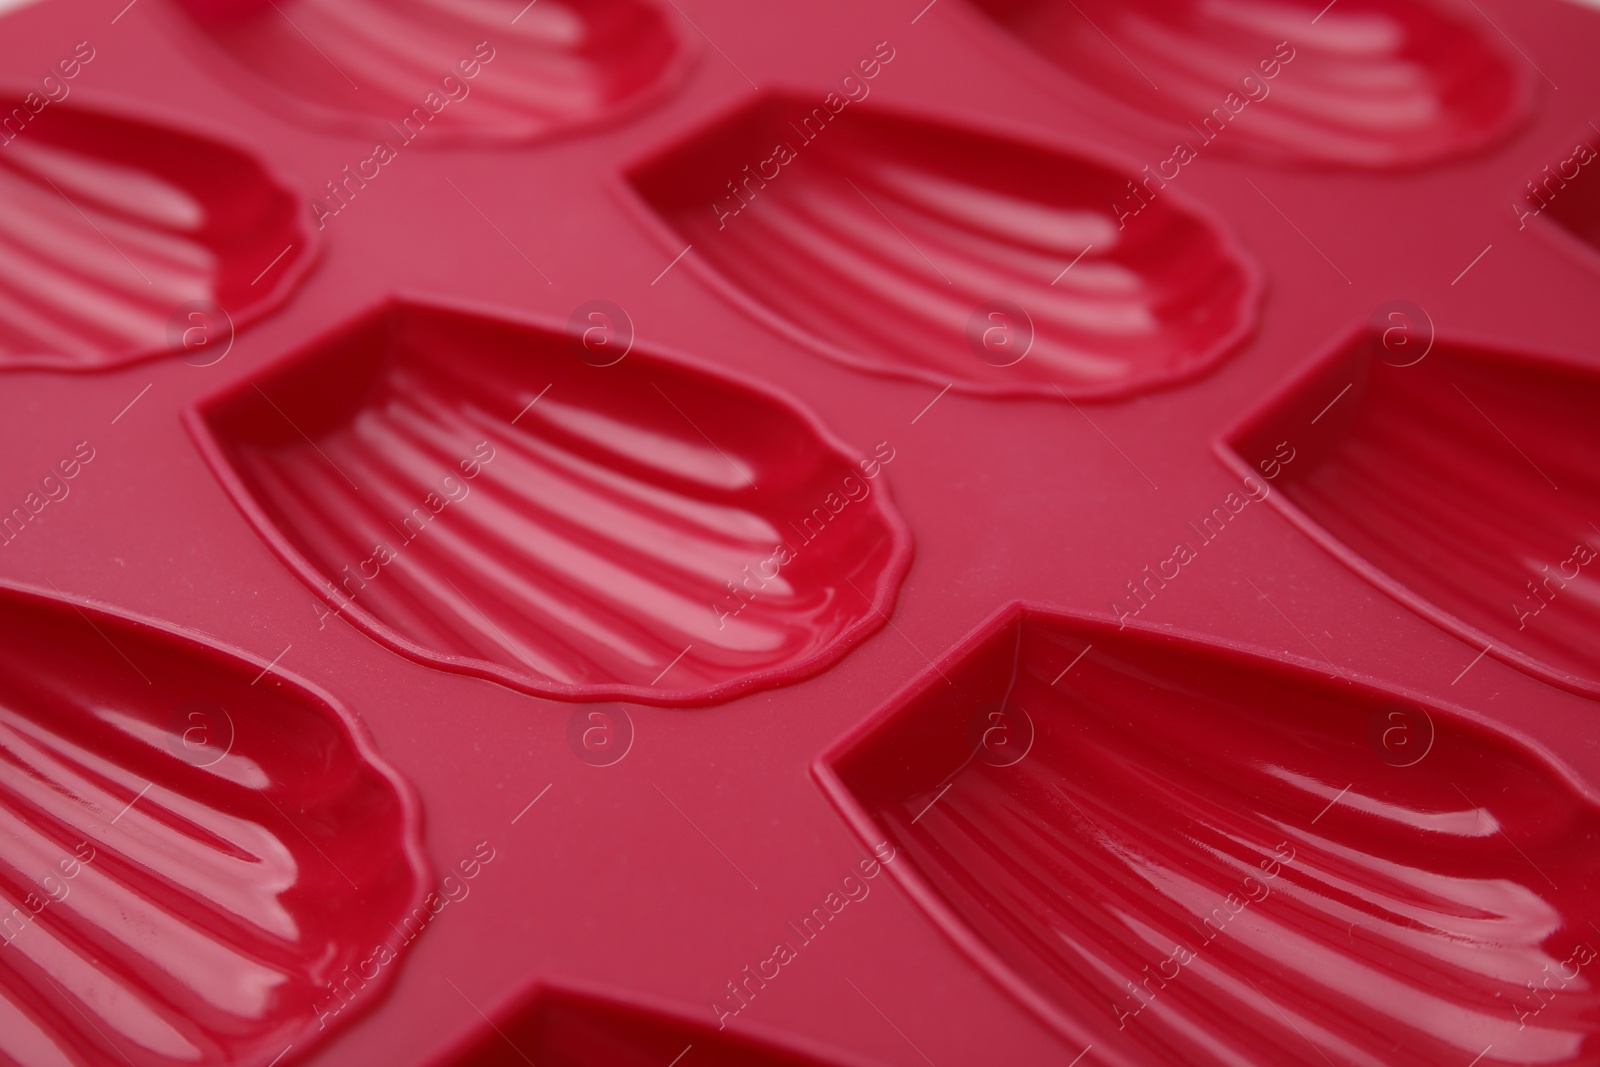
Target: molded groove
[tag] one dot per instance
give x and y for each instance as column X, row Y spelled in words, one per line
column 108, row 225
column 1464, row 485
column 473, row 494
column 1187, row 854
column 188, row 860
column 881, row 240
column 1368, row 83
column 490, row 70
column 559, row 1027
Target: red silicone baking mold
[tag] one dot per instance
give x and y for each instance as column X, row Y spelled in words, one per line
column 171, row 833
column 679, row 532
column 1078, row 802
column 892, row 248
column 1428, row 475
column 191, row 218
column 607, row 509
column 1385, row 83
column 402, row 64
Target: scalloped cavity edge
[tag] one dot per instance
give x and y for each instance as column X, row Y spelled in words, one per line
column 895, row 559
column 242, row 666
column 626, row 186
column 282, row 280
column 667, row 80
column 901, row 711
column 1292, row 396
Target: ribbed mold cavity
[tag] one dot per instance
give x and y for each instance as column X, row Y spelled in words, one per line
column 111, row 226
column 462, row 70
column 191, row 853
column 478, row 495
column 1185, row 854
column 1467, row 485
column 562, row 1027
column 1360, row 83
column 909, row 247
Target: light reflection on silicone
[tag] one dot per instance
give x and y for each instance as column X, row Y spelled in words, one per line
column 190, row 913
column 616, row 538
column 1203, row 860
column 1463, row 484
column 1367, row 83
column 108, row 224
column 879, row 240
column 492, row 69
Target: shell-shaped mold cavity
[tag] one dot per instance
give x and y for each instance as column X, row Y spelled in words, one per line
column 1466, row 484
column 474, row 493
column 113, row 230
column 1187, row 854
column 189, row 858
column 1360, row 83
column 909, row 247
column 435, row 71
column 569, row 1027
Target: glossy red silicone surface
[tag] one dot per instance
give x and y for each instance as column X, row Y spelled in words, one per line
column 880, row 247
column 1132, row 812
column 191, row 218
column 1383, row 83
column 673, row 532
column 171, row 829
column 607, row 511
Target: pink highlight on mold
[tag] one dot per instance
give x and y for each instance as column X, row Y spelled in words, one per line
column 109, row 224
column 187, row 861
column 1367, row 83
column 881, row 240
column 1211, row 856
column 1462, row 484
column 491, row 70
column 646, row 531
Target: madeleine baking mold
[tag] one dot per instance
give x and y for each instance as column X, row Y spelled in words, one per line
column 1360, row 83
column 167, row 868
column 112, row 226
column 473, row 493
column 1461, row 482
column 1125, row 828
column 887, row 242
column 529, row 70
column 576, row 472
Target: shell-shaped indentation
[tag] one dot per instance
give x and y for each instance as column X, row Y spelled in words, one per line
column 1187, row 854
column 449, row 70
column 473, row 493
column 1467, row 485
column 567, row 1027
column 1360, row 83
column 187, row 859
column 923, row 250
column 110, row 225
